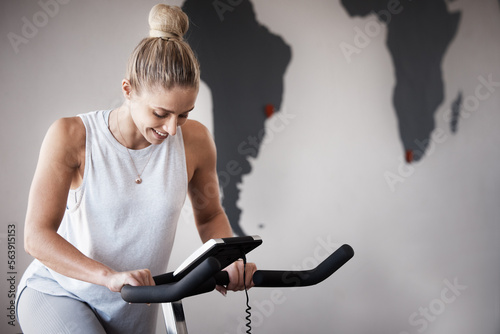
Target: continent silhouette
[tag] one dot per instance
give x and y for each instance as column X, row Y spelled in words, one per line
column 418, row 37
column 243, row 63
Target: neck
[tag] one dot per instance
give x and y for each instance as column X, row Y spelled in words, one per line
column 124, row 130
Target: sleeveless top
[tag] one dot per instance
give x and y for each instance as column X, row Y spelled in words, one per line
column 119, row 223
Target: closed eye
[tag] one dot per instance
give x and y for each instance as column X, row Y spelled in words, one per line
column 160, row 116
column 166, row 115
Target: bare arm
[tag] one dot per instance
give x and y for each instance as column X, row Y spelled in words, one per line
column 210, row 218
column 60, row 167
column 203, row 189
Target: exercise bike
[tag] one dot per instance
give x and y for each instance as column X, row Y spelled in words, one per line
column 201, row 272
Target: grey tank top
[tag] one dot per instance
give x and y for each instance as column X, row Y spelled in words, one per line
column 115, row 221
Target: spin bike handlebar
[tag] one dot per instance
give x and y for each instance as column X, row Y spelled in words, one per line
column 208, row 274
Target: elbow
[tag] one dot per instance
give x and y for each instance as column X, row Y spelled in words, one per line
column 28, row 250
column 30, row 242
column 28, row 247
column 39, row 241
column 39, row 238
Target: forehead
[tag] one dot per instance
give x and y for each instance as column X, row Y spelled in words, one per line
column 175, row 99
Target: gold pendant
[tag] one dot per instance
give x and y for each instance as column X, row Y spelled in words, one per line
column 138, row 180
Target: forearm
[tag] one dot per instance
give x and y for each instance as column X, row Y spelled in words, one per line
column 61, row 256
column 217, row 226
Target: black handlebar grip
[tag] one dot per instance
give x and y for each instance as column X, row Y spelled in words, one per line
column 222, row 278
column 282, row 279
column 201, row 276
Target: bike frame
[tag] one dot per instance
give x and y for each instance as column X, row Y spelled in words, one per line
column 175, row 321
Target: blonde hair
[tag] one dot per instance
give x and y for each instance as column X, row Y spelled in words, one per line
column 164, row 59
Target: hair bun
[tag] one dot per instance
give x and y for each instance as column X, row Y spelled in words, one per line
column 167, row 22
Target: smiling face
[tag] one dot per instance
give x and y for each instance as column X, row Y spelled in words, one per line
column 156, row 114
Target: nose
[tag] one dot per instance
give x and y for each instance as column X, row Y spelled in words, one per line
column 170, row 125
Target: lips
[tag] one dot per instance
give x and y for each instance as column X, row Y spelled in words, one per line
column 159, row 135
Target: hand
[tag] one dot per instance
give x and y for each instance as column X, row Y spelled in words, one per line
column 135, row 278
column 236, row 272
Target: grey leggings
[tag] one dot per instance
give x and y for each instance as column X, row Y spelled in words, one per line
column 45, row 314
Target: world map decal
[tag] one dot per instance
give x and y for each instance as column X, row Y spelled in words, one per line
column 243, row 63
column 418, row 34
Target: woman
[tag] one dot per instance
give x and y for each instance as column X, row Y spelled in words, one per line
column 108, row 191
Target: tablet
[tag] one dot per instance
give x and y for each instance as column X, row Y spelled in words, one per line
column 225, row 250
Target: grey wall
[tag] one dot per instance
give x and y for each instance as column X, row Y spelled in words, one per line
column 427, row 255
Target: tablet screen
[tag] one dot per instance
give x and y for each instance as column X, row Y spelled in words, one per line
column 225, row 250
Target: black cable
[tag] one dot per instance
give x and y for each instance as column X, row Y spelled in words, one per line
column 247, row 311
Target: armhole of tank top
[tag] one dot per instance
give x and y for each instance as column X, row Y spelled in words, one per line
column 75, row 195
column 183, row 148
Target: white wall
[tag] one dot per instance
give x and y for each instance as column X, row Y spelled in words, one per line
column 317, row 184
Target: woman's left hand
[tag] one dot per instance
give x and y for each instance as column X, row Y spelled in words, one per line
column 239, row 277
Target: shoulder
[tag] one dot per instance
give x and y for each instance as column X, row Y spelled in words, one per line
column 196, row 135
column 72, row 124
column 71, row 129
column 199, row 147
column 67, row 136
column 195, row 130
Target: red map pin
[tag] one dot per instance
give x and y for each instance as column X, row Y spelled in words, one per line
column 269, row 110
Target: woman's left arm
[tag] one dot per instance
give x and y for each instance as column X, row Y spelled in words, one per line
column 203, row 189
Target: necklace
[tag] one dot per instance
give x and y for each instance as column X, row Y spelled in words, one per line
column 138, row 179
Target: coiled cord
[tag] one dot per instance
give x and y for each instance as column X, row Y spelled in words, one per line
column 249, row 308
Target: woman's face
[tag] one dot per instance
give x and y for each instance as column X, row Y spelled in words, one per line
column 157, row 113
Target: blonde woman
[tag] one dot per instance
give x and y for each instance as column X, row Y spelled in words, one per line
column 108, row 191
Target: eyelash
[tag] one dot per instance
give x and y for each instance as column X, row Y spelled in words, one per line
column 160, row 116
column 165, row 116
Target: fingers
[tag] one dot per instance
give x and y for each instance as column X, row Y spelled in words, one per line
column 239, row 276
column 150, row 279
column 250, row 270
column 234, row 277
column 141, row 277
column 221, row 289
column 138, row 277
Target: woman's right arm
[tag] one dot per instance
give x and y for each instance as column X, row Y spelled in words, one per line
column 60, row 167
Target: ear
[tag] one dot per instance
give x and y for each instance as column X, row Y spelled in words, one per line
column 126, row 89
